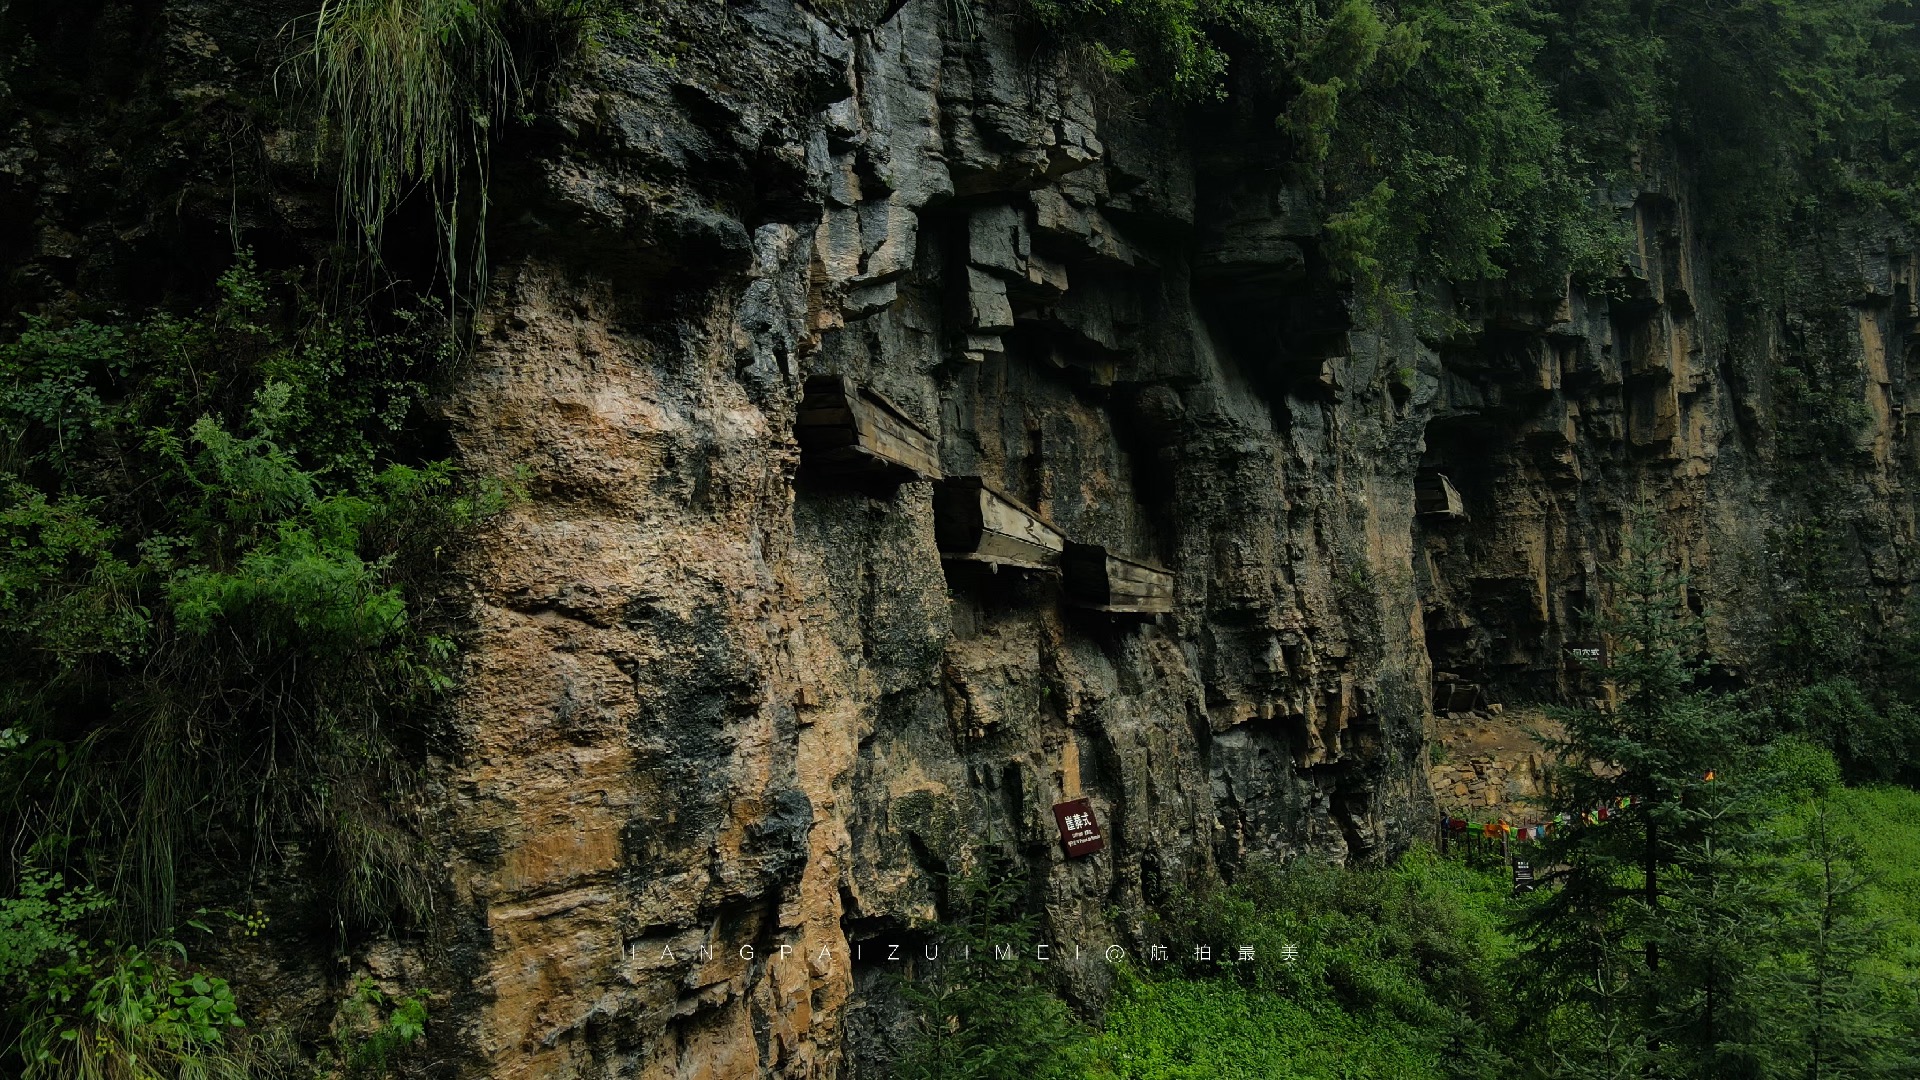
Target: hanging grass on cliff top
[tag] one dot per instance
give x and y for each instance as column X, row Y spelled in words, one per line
column 409, row 95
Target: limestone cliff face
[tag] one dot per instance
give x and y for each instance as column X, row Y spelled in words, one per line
column 717, row 701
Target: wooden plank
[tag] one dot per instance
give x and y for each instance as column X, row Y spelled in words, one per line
column 1435, row 494
column 811, row 415
column 1106, row 581
column 1003, row 516
column 888, row 404
column 852, row 430
column 891, row 434
column 977, row 522
column 826, row 438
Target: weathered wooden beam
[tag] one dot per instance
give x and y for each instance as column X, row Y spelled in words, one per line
column 974, row 521
column 1104, row 580
column 848, row 430
column 1435, row 496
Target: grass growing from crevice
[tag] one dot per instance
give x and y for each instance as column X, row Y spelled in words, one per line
column 409, row 96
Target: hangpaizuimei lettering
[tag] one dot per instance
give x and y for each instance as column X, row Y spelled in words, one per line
column 922, row 951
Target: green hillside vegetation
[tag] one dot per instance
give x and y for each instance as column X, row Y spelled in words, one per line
column 1415, row 971
column 1739, row 914
column 1398, row 973
column 1883, row 822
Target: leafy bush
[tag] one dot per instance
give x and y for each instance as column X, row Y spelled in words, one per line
column 109, row 1011
column 1181, row 1029
column 375, row 1028
column 215, row 578
column 988, row 1021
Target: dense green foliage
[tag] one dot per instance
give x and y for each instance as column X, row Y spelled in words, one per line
column 1411, row 971
column 216, row 590
column 1467, row 141
column 1878, row 822
column 1396, row 974
column 90, row 1009
column 205, row 583
column 222, row 532
column 1611, row 942
column 1424, row 125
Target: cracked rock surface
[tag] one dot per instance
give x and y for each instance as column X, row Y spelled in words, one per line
column 719, row 701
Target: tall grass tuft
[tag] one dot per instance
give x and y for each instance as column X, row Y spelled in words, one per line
column 407, row 91
column 409, row 95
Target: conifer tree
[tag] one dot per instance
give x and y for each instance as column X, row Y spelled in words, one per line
column 1641, row 925
column 1834, row 1017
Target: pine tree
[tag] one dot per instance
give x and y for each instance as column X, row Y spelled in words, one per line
column 1641, row 926
column 1834, row 1017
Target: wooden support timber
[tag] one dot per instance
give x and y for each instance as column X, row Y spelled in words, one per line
column 1435, row 496
column 974, row 521
column 847, row 430
column 1104, row 581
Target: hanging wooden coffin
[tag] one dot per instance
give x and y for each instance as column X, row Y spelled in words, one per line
column 1435, row 496
column 976, row 522
column 848, row 430
column 1104, row 581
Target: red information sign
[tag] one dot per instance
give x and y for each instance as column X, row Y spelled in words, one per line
column 1079, row 833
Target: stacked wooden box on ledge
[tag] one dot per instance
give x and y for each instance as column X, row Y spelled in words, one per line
column 1103, row 580
column 975, row 522
column 848, row 431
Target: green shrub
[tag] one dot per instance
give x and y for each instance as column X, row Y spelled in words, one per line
column 1883, row 822
column 988, row 1020
column 376, row 1028
column 214, row 577
column 106, row 1011
column 1186, row 1029
column 1393, row 971
column 1802, row 769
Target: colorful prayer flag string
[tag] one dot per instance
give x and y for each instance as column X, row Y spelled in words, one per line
column 1537, row 830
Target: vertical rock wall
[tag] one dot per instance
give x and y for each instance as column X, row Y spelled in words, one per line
column 720, row 703
column 716, row 700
